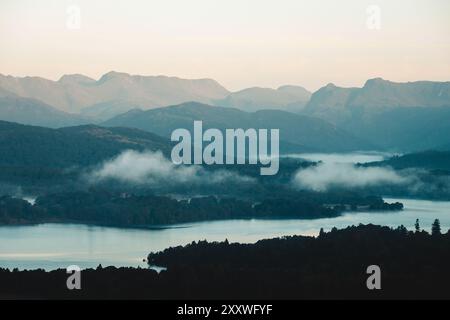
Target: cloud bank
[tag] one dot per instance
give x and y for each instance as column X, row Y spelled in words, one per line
column 152, row 168
column 328, row 175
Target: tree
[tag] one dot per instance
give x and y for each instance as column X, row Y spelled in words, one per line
column 436, row 228
column 402, row 229
column 417, row 225
column 321, row 232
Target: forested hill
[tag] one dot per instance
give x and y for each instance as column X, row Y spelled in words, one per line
column 298, row 133
column 434, row 160
column 23, row 145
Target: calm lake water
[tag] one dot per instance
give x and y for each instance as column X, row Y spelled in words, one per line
column 51, row 246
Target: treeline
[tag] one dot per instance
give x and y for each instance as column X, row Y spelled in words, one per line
column 366, row 243
column 131, row 210
column 18, row 211
column 431, row 159
column 412, row 265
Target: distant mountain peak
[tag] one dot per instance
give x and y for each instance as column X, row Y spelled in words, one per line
column 113, row 75
column 290, row 87
column 376, row 81
column 329, row 86
column 75, row 78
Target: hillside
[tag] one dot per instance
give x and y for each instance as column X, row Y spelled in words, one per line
column 34, row 112
column 379, row 93
column 404, row 117
column 297, row 133
column 32, row 146
column 434, row 160
column 399, row 129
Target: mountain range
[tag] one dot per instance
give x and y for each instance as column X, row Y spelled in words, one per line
column 337, row 104
column 118, row 92
column 382, row 115
column 409, row 116
column 73, row 93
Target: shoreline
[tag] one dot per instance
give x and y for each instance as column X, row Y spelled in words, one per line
column 182, row 224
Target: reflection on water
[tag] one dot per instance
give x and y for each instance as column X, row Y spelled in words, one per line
column 50, row 246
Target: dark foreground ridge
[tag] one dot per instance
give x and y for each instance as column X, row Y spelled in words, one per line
column 333, row 265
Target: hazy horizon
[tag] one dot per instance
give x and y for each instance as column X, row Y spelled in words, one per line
column 239, row 44
column 236, row 90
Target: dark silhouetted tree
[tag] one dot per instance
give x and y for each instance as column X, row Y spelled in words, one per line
column 436, row 228
column 321, row 232
column 417, row 225
column 402, row 229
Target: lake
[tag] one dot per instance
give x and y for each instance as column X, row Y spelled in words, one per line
column 51, row 246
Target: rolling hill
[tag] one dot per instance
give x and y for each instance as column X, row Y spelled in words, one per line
column 34, row 112
column 297, row 133
column 32, row 146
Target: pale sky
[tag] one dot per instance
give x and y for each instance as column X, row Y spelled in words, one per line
column 240, row 43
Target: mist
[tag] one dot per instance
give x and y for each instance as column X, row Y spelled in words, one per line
column 328, row 175
column 153, row 169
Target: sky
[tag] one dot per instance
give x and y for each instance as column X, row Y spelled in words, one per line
column 239, row 43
